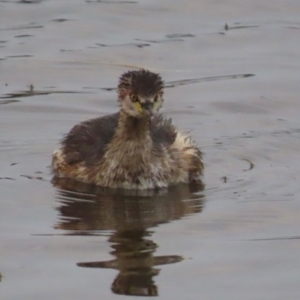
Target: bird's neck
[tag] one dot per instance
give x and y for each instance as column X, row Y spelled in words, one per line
column 133, row 129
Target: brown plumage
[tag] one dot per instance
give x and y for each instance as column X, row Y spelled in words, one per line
column 136, row 148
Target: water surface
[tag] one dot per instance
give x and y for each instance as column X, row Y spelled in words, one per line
column 232, row 78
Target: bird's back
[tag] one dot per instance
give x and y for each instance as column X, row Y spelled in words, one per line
column 87, row 141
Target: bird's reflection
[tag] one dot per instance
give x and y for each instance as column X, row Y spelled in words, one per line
column 87, row 210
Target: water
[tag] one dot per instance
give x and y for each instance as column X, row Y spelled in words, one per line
column 236, row 239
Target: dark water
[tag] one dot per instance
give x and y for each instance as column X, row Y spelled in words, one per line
column 232, row 78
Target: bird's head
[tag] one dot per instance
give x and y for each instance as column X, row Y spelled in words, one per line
column 140, row 93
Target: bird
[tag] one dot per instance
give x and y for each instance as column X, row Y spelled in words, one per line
column 137, row 148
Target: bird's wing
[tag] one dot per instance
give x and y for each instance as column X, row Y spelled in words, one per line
column 87, row 141
column 162, row 131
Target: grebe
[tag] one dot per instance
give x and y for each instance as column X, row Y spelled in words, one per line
column 136, row 148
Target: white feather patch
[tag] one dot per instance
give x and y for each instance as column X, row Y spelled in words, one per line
column 184, row 143
column 57, row 159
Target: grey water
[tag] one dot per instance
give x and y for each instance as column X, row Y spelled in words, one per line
column 231, row 72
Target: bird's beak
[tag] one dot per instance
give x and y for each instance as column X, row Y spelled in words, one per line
column 148, row 108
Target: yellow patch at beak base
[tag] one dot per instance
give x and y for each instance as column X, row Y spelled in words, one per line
column 139, row 107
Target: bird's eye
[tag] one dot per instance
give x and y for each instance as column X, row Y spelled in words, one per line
column 155, row 98
column 133, row 98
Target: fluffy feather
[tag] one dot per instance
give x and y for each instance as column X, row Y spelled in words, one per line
column 128, row 151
